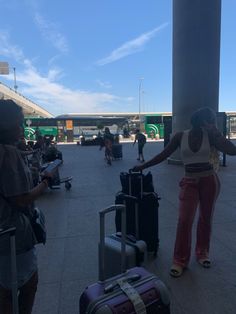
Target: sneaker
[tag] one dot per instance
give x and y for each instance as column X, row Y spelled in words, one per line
column 109, row 162
column 138, row 158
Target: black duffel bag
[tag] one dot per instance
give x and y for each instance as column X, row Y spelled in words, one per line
column 147, row 184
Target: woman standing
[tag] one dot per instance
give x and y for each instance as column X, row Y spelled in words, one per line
column 16, row 204
column 108, row 142
column 199, row 186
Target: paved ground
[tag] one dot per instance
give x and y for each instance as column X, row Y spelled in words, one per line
column 68, row 262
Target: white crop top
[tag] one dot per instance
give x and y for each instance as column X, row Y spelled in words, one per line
column 190, row 157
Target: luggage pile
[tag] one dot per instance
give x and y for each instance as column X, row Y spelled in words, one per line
column 140, row 186
column 124, row 285
column 37, row 163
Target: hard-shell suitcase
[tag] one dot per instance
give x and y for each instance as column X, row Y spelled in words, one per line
column 148, row 205
column 117, row 151
column 10, row 232
column 148, row 219
column 133, row 291
column 135, row 250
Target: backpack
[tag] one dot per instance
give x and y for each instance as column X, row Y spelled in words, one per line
column 142, row 138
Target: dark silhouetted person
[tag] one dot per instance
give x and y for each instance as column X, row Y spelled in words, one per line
column 17, row 197
column 141, row 139
column 108, row 141
column 198, row 188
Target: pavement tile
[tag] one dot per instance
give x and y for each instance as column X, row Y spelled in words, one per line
column 69, row 261
column 47, row 299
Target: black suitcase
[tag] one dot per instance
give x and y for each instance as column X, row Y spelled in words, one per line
column 117, row 151
column 148, row 205
column 14, row 287
column 135, row 183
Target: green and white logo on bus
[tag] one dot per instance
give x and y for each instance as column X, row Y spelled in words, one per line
column 29, row 133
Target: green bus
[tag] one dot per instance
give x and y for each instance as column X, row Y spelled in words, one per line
column 70, row 127
column 154, row 126
column 39, row 126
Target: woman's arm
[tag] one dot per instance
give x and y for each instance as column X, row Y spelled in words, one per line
column 28, row 198
column 225, row 146
column 221, row 143
column 167, row 151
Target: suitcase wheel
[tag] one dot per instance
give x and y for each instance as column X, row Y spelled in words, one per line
column 68, row 185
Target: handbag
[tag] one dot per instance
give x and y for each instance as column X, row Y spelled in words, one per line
column 39, row 226
column 38, row 223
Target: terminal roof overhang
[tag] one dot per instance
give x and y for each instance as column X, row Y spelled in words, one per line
column 29, row 107
column 88, row 116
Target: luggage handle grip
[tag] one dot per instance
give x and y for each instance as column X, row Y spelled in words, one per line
column 111, row 208
column 115, row 284
column 131, row 171
column 129, row 197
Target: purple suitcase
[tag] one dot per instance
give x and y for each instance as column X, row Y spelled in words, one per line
column 133, row 291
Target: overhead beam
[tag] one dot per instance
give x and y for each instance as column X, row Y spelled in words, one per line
column 28, row 106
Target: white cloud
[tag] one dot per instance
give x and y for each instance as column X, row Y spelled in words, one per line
column 131, row 47
column 49, row 32
column 46, row 91
column 103, row 84
column 8, row 50
column 57, row 98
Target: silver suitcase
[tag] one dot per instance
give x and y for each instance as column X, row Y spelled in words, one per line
column 121, row 252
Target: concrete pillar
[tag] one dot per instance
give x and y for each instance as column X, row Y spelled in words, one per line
column 196, row 59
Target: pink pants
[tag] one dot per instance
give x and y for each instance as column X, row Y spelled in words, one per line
column 195, row 192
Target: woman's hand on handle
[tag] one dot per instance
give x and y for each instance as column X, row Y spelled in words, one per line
column 137, row 168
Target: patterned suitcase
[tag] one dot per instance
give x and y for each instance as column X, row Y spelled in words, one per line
column 133, row 291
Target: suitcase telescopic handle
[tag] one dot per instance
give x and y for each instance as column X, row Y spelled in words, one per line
column 14, row 286
column 127, row 197
column 137, row 174
column 10, row 231
column 102, row 215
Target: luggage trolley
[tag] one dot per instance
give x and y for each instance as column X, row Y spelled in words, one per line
column 56, row 181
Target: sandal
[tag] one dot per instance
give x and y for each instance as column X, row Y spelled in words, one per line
column 205, row 262
column 176, row 271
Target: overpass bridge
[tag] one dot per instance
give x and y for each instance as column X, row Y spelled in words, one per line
column 29, row 107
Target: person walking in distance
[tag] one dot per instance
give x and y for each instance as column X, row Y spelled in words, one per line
column 108, row 141
column 141, row 139
column 199, row 187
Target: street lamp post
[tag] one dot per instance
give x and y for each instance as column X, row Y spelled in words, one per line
column 139, row 101
column 4, row 70
column 15, row 86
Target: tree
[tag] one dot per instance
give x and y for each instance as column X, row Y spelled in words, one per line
column 100, row 126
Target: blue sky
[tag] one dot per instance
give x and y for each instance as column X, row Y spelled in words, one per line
column 91, row 55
